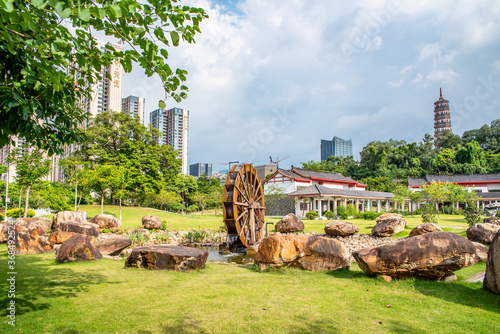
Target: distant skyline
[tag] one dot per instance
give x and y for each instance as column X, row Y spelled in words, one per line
column 272, row 78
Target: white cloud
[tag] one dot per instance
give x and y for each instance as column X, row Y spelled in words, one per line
column 275, row 62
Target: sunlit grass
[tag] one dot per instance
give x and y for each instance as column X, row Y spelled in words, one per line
column 104, row 297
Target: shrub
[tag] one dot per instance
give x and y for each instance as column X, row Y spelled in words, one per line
column 498, row 213
column 429, row 213
column 329, row 214
column 472, row 213
column 163, row 225
column 370, row 215
column 16, row 213
column 1, row 217
column 192, row 208
column 312, row 214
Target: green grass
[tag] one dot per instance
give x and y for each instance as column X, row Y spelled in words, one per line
column 104, row 297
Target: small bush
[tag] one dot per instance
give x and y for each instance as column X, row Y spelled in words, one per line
column 498, row 213
column 16, row 213
column 370, row 215
column 163, row 225
column 312, row 214
column 329, row 214
column 192, row 208
column 1, row 217
column 472, row 213
column 429, row 213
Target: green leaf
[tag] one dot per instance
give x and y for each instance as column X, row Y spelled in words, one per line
column 175, row 38
column 162, row 104
column 116, row 10
column 84, row 14
column 7, row 5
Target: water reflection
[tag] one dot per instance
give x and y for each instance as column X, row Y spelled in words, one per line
column 215, row 256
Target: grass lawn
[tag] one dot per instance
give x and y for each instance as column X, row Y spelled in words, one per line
column 104, row 297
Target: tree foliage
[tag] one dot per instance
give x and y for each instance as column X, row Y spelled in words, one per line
column 50, row 57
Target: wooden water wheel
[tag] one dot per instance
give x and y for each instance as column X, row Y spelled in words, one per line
column 244, row 209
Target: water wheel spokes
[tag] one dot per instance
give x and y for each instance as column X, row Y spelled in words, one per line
column 244, row 207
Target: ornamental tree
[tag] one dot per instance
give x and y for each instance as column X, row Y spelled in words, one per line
column 31, row 167
column 50, row 58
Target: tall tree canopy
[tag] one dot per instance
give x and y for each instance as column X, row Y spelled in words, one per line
column 120, row 140
column 49, row 58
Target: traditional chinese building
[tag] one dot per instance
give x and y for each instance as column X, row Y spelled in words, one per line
column 442, row 118
column 323, row 191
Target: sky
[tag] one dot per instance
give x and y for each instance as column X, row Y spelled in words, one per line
column 273, row 78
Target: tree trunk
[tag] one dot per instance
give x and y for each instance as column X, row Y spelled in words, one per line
column 26, row 201
column 102, row 203
column 76, row 196
column 20, row 196
column 120, row 208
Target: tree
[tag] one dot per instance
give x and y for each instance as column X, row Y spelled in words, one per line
column 167, row 199
column 74, row 173
column 186, row 186
column 102, row 178
column 448, row 139
column 31, row 167
column 436, row 193
column 39, row 99
column 119, row 186
column 401, row 193
column 200, row 198
column 120, row 140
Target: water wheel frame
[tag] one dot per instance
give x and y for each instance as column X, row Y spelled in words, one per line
column 243, row 205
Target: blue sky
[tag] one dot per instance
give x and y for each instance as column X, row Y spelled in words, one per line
column 275, row 77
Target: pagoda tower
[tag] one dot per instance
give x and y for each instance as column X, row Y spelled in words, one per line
column 442, row 118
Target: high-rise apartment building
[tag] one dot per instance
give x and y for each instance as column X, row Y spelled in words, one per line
column 337, row 147
column 200, row 168
column 442, row 118
column 174, row 126
column 134, row 106
column 106, row 93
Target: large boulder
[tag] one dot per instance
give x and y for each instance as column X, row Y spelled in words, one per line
column 492, row 220
column 31, row 223
column 290, row 223
column 492, row 277
column 178, row 258
column 107, row 222
column 59, row 237
column 4, row 228
column 151, row 222
column 29, row 244
column 425, row 228
column 308, row 252
column 112, row 244
column 68, row 216
column 483, row 233
column 429, row 256
column 388, row 224
column 37, row 231
column 481, row 251
column 340, row 228
column 77, row 248
column 80, row 228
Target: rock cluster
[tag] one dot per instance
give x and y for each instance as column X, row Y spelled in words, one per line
column 289, row 224
column 389, row 224
column 309, row 252
column 492, row 277
column 428, row 256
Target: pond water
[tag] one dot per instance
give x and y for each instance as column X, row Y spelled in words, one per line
column 214, row 255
